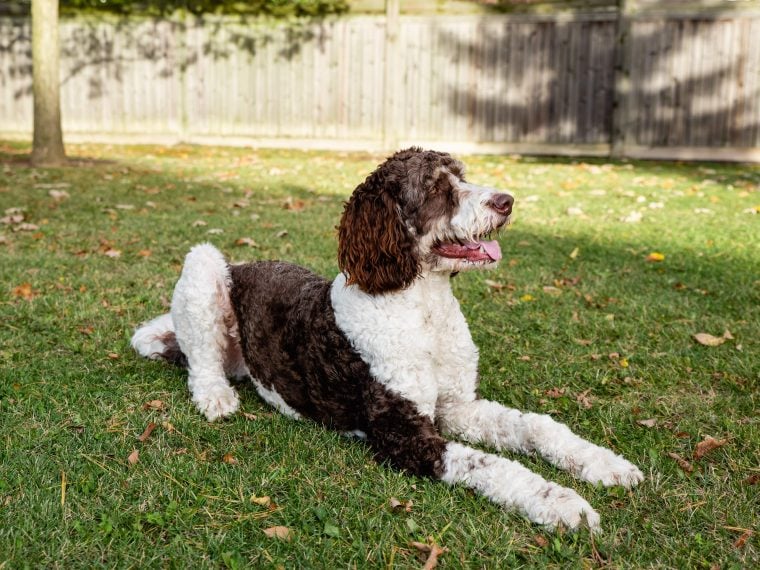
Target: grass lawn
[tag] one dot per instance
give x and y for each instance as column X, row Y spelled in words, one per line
column 580, row 320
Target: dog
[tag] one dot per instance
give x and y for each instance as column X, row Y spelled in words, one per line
column 383, row 352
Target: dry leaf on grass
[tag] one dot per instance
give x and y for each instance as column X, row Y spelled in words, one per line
column 742, row 540
column 229, row 459
column 24, row 291
column 397, row 505
column 264, row 501
column 148, row 430
column 495, row 285
column 246, row 241
column 112, row 253
column 584, row 399
column 655, row 256
column 248, row 416
column 154, row 405
column 753, row 479
column 682, row 463
column 540, row 541
column 281, row 532
column 144, row 253
column 433, row 550
column 134, row 457
column 650, row 423
column 555, row 392
column 707, row 445
column 709, row 340
column 25, row 227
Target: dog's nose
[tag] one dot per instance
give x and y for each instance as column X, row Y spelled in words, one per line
column 502, row 203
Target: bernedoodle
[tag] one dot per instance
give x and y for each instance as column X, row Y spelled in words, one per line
column 383, row 351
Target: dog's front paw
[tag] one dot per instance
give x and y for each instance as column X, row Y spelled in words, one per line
column 555, row 505
column 216, row 401
column 609, row 469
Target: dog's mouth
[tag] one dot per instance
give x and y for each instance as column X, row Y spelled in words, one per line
column 472, row 251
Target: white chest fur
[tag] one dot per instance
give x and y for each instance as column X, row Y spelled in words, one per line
column 415, row 341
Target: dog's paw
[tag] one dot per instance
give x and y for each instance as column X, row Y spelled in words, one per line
column 609, row 469
column 217, row 401
column 556, row 505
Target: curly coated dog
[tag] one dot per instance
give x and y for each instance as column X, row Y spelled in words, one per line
column 383, row 351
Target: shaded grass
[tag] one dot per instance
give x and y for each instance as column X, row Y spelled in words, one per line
column 72, row 393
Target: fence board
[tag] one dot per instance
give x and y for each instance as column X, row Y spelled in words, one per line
column 539, row 83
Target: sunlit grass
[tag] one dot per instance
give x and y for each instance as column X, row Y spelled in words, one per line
column 575, row 322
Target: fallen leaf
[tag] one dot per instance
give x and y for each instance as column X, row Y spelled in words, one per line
column 281, row 532
column 583, row 341
column 742, row 540
column 524, row 358
column 433, row 550
column 552, row 290
column 113, row 356
column 574, row 211
column 24, row 291
column 294, row 205
column 144, row 253
column 146, row 434
column 540, row 541
column 574, row 253
column 229, row 458
column 682, row 463
column 655, row 256
column 248, row 416
column 397, row 505
column 112, row 253
column 282, row 233
column 199, row 223
column 215, row 231
column 246, row 241
column 58, row 195
column 753, row 479
column 134, row 457
column 555, row 392
column 154, row 405
column 526, row 298
column 125, row 207
column 494, row 284
column 168, row 426
column 584, row 400
column 264, row 501
column 25, row 227
column 650, row 423
column 708, row 339
column 12, row 219
column 707, row 445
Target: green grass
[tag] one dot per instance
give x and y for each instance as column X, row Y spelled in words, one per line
column 576, row 289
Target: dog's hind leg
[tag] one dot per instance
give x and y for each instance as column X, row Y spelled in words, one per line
column 505, row 428
column 409, row 440
column 206, row 331
column 156, row 340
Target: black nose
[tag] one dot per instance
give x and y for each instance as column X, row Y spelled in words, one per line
column 502, row 203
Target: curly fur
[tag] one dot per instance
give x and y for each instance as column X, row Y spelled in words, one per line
column 383, row 351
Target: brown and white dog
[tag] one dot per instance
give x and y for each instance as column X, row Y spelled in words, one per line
column 383, row 351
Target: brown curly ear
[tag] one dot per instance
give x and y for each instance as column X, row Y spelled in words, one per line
column 375, row 249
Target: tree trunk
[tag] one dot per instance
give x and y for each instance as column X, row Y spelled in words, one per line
column 47, row 147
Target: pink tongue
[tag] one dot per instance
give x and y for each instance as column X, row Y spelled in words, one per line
column 492, row 249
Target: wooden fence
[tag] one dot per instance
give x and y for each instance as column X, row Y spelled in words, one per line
column 637, row 84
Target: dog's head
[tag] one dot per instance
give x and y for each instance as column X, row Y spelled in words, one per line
column 416, row 213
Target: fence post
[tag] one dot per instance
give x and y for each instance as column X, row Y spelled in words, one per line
column 621, row 104
column 392, row 11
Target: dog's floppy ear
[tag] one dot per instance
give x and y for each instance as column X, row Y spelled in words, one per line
column 375, row 249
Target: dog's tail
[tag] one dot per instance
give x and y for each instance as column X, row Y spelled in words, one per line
column 156, row 340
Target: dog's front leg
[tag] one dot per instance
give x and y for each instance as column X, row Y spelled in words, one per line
column 408, row 440
column 505, row 428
